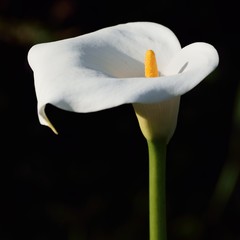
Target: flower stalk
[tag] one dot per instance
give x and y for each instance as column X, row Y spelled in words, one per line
column 157, row 189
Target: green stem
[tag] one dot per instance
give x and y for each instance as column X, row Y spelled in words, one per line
column 157, row 189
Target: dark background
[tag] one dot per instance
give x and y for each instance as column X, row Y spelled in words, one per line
column 91, row 180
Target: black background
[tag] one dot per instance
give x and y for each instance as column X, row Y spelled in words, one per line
column 91, row 180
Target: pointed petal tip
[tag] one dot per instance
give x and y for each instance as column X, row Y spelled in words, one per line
column 50, row 125
column 53, row 129
column 45, row 121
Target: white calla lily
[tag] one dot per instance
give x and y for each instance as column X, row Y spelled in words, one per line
column 105, row 69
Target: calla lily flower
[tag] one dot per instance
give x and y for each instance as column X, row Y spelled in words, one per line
column 105, row 69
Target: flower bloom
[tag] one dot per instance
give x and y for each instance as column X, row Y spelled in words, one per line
column 105, row 69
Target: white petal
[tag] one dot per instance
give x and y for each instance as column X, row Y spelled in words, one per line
column 105, row 69
column 192, row 64
column 95, row 71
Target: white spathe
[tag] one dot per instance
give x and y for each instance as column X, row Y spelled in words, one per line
column 105, row 68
